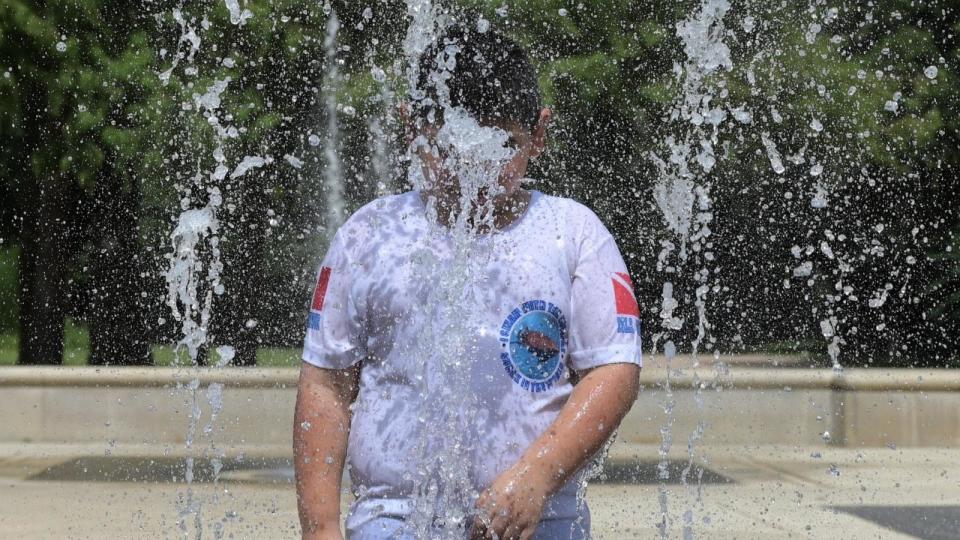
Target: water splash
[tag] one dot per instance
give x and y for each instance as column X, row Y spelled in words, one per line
column 238, row 16
column 470, row 158
column 196, row 246
column 378, row 127
column 682, row 193
column 332, row 172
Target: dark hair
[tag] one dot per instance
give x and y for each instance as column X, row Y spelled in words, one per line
column 493, row 78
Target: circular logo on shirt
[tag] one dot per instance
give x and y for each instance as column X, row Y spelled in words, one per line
column 533, row 339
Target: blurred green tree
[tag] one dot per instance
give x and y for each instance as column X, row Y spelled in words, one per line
column 75, row 73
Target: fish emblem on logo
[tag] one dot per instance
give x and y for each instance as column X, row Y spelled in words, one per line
column 539, row 344
column 533, row 339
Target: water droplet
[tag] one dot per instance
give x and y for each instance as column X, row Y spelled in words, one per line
column 313, row 140
column 483, row 25
column 819, row 199
column 62, row 46
column 931, row 72
column 562, row 12
column 294, row 162
column 773, row 155
column 742, row 115
column 816, row 169
column 804, row 270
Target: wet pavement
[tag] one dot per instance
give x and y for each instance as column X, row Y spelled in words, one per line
column 92, row 491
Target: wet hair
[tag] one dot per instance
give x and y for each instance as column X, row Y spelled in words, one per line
column 492, row 78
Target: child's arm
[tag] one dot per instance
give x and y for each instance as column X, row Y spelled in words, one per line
column 511, row 507
column 320, row 429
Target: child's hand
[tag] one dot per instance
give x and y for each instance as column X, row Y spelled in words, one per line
column 510, row 508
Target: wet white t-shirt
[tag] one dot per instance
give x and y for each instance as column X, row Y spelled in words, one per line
column 554, row 297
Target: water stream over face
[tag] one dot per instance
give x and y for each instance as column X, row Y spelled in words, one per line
column 456, row 168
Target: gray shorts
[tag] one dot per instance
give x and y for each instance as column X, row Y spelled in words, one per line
column 392, row 528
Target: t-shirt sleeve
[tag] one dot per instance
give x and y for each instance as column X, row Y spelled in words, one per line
column 334, row 337
column 605, row 322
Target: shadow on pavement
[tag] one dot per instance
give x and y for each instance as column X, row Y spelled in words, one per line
column 279, row 470
column 927, row 522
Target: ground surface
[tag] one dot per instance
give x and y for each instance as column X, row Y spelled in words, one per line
column 74, row 491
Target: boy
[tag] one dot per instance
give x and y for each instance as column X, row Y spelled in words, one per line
column 535, row 343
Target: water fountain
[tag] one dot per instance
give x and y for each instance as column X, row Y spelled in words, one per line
column 781, row 178
column 332, row 173
column 191, row 292
column 683, row 196
column 705, row 126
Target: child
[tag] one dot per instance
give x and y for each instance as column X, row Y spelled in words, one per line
column 540, row 334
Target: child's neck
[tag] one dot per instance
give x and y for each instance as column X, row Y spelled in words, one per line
column 507, row 209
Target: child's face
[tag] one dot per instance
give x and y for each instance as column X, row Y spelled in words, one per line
column 525, row 144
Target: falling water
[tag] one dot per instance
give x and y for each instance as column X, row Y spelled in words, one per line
column 444, row 493
column 332, row 171
column 378, row 144
column 191, row 291
column 444, row 487
column 683, row 196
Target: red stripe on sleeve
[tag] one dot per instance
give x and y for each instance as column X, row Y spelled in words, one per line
column 623, row 296
column 321, row 291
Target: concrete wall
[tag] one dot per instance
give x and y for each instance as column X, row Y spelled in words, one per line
column 250, row 416
column 134, row 407
column 800, row 417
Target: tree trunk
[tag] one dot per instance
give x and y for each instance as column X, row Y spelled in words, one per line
column 117, row 310
column 237, row 316
column 43, row 257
